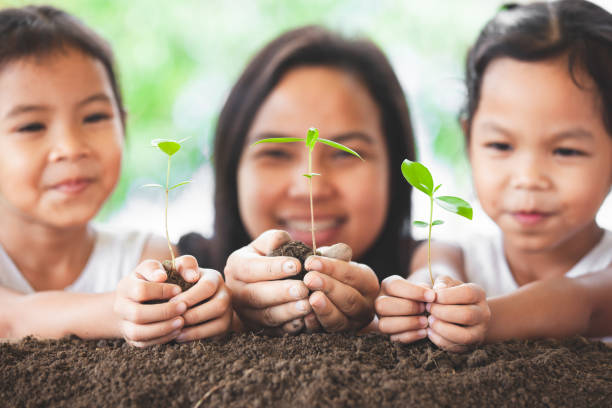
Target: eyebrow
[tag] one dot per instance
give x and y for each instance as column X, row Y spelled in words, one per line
column 20, row 109
column 573, row 133
column 341, row 137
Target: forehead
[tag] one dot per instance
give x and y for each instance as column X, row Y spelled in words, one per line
column 539, row 93
column 62, row 75
column 331, row 99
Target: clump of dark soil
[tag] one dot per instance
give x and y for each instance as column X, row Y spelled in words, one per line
column 295, row 249
column 173, row 277
column 309, row 370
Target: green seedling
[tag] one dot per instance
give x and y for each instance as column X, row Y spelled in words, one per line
column 420, row 178
column 168, row 147
column 312, row 137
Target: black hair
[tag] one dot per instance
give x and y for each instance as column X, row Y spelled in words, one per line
column 315, row 46
column 543, row 30
column 40, row 31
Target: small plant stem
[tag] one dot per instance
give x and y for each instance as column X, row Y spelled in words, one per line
column 314, row 245
column 429, row 240
column 166, row 217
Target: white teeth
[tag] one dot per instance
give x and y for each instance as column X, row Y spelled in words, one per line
column 305, row 225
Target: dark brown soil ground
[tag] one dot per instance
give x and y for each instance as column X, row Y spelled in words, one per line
column 173, row 277
column 309, row 370
column 296, row 249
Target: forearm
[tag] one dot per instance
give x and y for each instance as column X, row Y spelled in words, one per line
column 552, row 308
column 54, row 314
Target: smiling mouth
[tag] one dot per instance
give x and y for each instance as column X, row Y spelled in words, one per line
column 73, row 186
column 529, row 218
column 325, row 229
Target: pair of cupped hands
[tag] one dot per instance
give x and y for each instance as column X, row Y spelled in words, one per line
column 336, row 294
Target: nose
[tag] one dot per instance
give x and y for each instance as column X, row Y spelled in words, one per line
column 531, row 174
column 300, row 186
column 68, row 143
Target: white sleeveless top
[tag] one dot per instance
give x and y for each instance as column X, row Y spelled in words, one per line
column 115, row 254
column 485, row 263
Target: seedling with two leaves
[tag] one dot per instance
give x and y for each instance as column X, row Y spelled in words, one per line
column 169, row 147
column 312, row 137
column 420, row 178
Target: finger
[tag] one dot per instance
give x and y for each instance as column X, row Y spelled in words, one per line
column 248, row 266
column 139, row 290
column 456, row 334
column 204, row 288
column 212, row 309
column 394, row 306
column 215, row 327
column 395, row 325
column 464, row 294
column 467, row 315
column 295, row 326
column 409, row 336
column 187, row 267
column 160, row 340
column 445, row 281
column 151, row 270
column 338, row 251
column 312, row 323
column 444, row 343
column 275, row 316
column 399, row 287
column 346, row 298
column 359, row 276
column 329, row 316
column 146, row 332
column 139, row 313
column 269, row 241
column 260, row 295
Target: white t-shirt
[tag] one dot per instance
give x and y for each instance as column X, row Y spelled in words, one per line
column 115, row 254
column 485, row 263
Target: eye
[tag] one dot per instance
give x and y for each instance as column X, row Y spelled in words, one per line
column 567, row 152
column 499, row 146
column 96, row 117
column 32, row 127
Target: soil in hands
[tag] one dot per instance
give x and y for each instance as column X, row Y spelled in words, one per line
column 308, row 370
column 173, row 277
column 295, row 249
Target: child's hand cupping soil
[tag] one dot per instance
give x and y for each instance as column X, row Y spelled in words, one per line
column 184, row 317
column 459, row 312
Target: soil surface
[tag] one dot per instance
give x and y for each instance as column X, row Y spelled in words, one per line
column 296, row 249
column 173, row 277
column 309, row 370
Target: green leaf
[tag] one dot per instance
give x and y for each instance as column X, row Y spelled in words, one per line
column 455, row 205
column 340, row 147
column 437, row 187
column 437, row 222
column 152, row 185
column 309, row 175
column 279, row 140
column 311, row 137
column 418, row 176
column 182, row 183
column 420, row 224
column 167, row 146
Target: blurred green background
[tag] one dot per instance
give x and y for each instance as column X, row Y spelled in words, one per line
column 177, row 61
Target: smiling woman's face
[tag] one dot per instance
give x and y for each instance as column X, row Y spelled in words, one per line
column 351, row 196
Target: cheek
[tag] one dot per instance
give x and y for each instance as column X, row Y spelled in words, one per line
column 256, row 199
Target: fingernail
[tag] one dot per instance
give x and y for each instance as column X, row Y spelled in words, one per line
column 315, row 265
column 181, row 338
column 177, row 323
column 176, row 290
column 314, row 282
column 430, row 295
column 159, row 274
column 318, row 302
column 422, row 333
column 302, row 305
column 289, row 268
column 181, row 307
column 192, row 275
column 428, row 307
column 423, row 321
column 296, row 292
column 431, row 320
